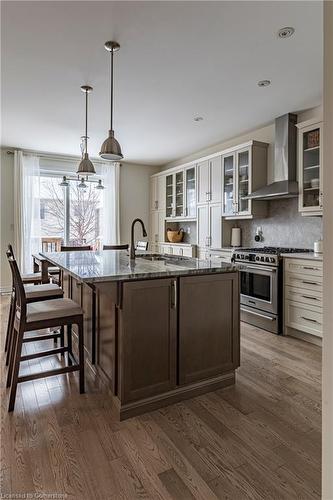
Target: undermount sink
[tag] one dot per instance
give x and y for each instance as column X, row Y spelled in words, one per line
column 151, row 257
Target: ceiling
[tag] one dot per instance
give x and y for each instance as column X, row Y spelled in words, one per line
column 177, row 60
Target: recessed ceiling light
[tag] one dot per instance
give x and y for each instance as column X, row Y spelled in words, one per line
column 286, row 32
column 198, row 118
column 264, row 83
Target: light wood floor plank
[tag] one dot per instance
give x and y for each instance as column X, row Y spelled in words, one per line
column 259, row 439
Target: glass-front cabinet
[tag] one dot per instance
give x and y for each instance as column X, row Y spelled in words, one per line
column 228, row 166
column 179, row 205
column 244, row 170
column 180, row 194
column 243, row 179
column 169, row 195
column 310, row 168
column 190, row 193
column 236, row 183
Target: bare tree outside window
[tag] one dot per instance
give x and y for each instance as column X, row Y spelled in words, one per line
column 84, row 211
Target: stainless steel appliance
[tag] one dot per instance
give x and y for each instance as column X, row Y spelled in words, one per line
column 261, row 286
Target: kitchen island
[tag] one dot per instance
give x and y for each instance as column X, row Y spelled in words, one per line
column 158, row 329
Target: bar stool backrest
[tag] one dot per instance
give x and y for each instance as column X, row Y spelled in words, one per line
column 10, row 248
column 116, row 247
column 64, row 248
column 21, row 301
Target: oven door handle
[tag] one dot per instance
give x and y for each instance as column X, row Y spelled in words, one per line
column 269, row 269
column 258, row 314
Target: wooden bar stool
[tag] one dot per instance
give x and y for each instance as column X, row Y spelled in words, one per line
column 38, row 316
column 34, row 278
column 34, row 293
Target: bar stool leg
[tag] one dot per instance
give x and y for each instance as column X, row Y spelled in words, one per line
column 17, row 358
column 81, row 356
column 69, row 344
column 11, row 351
column 62, row 339
column 10, row 322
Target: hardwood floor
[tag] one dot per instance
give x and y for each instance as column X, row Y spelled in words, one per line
column 260, row 439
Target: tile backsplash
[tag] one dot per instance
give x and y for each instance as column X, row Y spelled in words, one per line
column 284, row 226
column 190, row 228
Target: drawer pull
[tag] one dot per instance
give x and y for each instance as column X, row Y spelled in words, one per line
column 311, row 320
column 310, row 283
column 308, row 297
column 311, row 268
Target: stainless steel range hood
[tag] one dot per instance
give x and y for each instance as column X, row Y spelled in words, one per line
column 284, row 184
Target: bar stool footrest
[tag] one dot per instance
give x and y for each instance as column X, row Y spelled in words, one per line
column 49, row 373
column 42, row 337
column 41, row 354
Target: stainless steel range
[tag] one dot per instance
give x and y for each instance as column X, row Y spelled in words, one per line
column 261, row 287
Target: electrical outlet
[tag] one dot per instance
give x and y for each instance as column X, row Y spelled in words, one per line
column 188, row 230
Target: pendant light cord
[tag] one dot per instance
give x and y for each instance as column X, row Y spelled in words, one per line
column 86, row 137
column 111, row 89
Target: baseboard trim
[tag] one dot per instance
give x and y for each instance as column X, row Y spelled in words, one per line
column 307, row 337
column 189, row 391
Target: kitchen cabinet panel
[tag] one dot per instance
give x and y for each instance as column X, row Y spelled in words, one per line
column 147, row 343
column 190, row 192
column 215, row 224
column 203, row 187
column 208, row 326
column 310, row 161
column 203, row 225
column 215, row 190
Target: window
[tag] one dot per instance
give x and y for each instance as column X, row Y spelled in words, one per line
column 70, row 215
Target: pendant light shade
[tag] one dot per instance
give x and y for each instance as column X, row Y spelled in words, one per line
column 86, row 167
column 110, row 149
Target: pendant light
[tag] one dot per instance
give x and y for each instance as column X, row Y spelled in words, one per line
column 111, row 149
column 86, row 167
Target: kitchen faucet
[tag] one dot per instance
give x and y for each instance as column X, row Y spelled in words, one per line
column 144, row 233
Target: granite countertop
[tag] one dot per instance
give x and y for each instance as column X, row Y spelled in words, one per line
column 114, row 265
column 305, row 255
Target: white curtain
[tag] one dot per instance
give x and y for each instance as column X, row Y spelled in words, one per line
column 110, row 226
column 26, row 209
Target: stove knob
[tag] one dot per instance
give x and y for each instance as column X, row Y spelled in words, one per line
column 273, row 259
column 238, row 256
column 257, row 258
column 267, row 259
column 242, row 257
column 262, row 259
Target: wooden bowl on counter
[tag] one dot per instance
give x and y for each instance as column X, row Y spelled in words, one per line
column 175, row 236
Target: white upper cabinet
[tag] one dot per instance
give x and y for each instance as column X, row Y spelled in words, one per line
column 203, row 181
column 190, row 192
column 215, row 181
column 180, row 194
column 157, row 193
column 209, row 175
column 243, row 170
column 310, row 163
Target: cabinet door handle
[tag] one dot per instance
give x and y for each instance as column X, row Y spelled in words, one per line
column 174, row 294
column 309, row 268
column 311, row 320
column 310, row 282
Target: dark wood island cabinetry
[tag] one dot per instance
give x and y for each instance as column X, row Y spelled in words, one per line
column 157, row 333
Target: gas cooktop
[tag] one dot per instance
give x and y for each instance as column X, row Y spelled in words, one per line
column 273, row 250
column 268, row 255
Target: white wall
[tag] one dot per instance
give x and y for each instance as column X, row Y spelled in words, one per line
column 134, row 202
column 6, row 215
column 134, row 197
column 327, row 490
column 263, row 134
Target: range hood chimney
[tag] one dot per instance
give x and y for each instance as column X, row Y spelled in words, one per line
column 284, row 183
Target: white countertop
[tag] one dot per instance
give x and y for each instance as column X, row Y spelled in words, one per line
column 177, row 244
column 305, row 255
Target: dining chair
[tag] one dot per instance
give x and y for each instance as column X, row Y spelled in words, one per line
column 84, row 248
column 116, row 247
column 34, row 293
column 38, row 316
